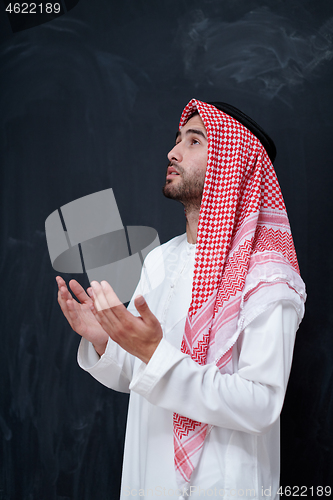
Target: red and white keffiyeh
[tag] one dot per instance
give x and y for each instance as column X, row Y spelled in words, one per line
column 245, row 257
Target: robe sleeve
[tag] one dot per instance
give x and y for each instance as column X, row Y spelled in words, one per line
column 249, row 400
column 114, row 368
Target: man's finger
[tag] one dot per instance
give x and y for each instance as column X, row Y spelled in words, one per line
column 104, row 318
column 142, row 307
column 100, row 298
column 62, row 304
column 63, row 292
column 74, row 318
column 61, row 284
column 113, row 311
column 110, row 295
column 79, row 291
column 105, row 295
column 116, row 306
column 60, row 281
column 66, row 302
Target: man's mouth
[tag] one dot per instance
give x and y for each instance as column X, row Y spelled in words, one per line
column 171, row 172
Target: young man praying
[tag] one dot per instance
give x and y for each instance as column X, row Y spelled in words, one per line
column 206, row 353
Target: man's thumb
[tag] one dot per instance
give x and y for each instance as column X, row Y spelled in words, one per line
column 141, row 305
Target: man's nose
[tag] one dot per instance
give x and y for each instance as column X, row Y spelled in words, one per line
column 175, row 154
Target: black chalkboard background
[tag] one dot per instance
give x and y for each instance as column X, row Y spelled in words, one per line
column 91, row 100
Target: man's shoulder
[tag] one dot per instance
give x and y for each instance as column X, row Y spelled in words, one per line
column 174, row 242
column 159, row 253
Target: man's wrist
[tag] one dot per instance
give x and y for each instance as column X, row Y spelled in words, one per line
column 149, row 353
column 100, row 348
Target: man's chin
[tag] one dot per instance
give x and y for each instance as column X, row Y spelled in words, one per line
column 169, row 191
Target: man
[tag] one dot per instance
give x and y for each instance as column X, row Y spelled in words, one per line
column 206, row 351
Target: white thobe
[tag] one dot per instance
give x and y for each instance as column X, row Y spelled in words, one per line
column 240, row 457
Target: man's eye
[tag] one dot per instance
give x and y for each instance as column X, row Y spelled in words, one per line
column 195, row 141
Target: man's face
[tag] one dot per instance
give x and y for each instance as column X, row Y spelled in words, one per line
column 188, row 162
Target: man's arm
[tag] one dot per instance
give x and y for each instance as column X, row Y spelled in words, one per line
column 81, row 315
column 130, row 336
column 249, row 400
column 97, row 351
column 138, row 335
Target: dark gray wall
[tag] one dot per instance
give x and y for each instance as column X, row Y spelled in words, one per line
column 91, row 100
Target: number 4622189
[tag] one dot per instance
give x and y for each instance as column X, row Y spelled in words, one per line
column 33, row 8
column 304, row 491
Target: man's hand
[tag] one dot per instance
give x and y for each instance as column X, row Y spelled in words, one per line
column 81, row 315
column 137, row 335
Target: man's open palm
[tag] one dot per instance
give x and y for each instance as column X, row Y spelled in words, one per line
column 80, row 315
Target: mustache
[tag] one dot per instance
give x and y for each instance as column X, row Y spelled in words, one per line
column 177, row 167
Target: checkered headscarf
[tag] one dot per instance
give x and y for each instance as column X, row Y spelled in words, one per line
column 245, row 257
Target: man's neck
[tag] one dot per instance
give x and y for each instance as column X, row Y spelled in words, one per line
column 192, row 219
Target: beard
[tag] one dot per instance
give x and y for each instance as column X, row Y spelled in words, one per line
column 188, row 191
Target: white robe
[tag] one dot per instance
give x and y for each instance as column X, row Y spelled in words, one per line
column 240, row 456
